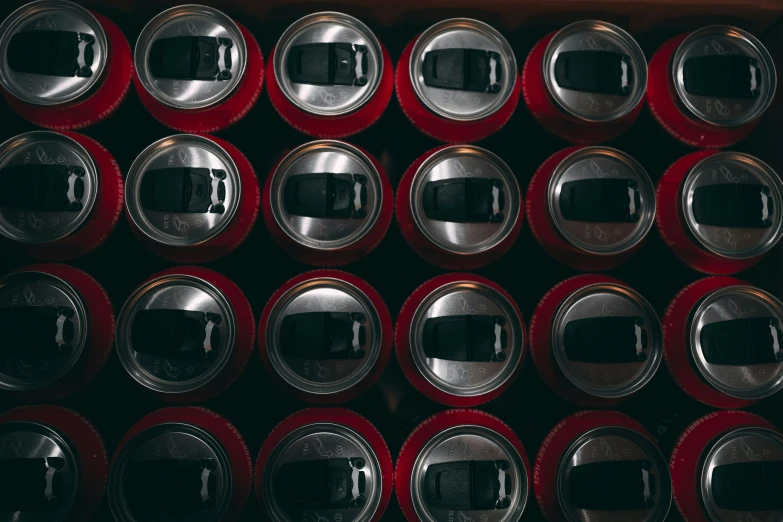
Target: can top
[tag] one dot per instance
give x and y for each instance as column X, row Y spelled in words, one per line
column 737, row 484
column 43, row 472
column 328, row 63
column 731, row 203
column 736, row 338
column 172, row 470
column 325, row 469
column 323, row 336
column 175, row 333
column 607, row 340
column 49, row 187
column 595, row 71
column 601, row 200
column 724, row 75
column 190, row 56
column 484, row 479
column 182, row 190
column 47, row 322
column 465, row 199
column 613, row 470
column 326, row 195
column 53, row 52
column 463, row 69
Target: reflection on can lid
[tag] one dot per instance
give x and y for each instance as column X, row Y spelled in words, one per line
column 182, row 190
column 724, row 75
column 463, row 69
column 190, row 56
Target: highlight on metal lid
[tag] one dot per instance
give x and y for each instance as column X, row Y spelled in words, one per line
column 190, row 57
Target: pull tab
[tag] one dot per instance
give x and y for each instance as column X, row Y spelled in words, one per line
column 472, row 70
column 323, row 335
column 36, row 330
column 51, row 53
column 176, row 333
column 186, row 190
column 328, row 64
column 42, row 187
column 742, row 342
column 326, row 195
column 32, row 484
column 191, row 58
column 598, row 72
column 468, row 485
column 612, row 485
column 749, row 486
column 326, row 483
column 606, row 340
column 601, row 200
column 733, row 205
column 467, row 338
column 165, row 486
column 465, row 200
column 722, row 76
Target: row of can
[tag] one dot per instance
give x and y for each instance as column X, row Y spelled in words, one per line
column 197, row 70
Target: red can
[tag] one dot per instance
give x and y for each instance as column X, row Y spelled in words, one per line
column 460, row 207
column 585, row 83
column 178, row 461
column 724, row 467
column 457, row 81
column 197, row 70
column 324, row 464
column 186, row 334
column 709, row 88
column 466, row 462
column 88, row 80
column 53, row 461
column 720, row 211
column 192, row 198
column 601, row 463
column 329, row 76
column 328, row 203
column 59, row 326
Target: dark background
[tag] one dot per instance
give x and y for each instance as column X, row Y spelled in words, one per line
column 258, row 266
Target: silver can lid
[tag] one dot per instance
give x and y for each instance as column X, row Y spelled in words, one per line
column 607, row 340
column 190, row 57
column 49, row 187
column 601, row 200
column 323, row 336
column 182, row 190
column 43, row 471
column 616, row 473
column 47, row 322
column 328, row 64
column 465, row 199
column 724, row 75
column 595, row 71
column 736, row 337
column 466, row 338
column 463, row 69
column 171, row 471
column 732, row 205
column 326, row 195
column 350, row 484
column 741, row 476
column 53, row 52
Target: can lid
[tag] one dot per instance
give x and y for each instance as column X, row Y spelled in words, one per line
column 607, row 340
column 53, row 52
column 465, row 199
column 323, row 336
column 595, row 71
column 613, row 471
column 175, row 471
column 190, row 56
column 736, row 337
column 48, row 187
column 41, row 473
column 326, row 194
column 471, row 470
column 328, row 64
column 724, row 75
column 466, row 338
column 732, row 205
column 47, row 322
column 601, row 200
column 322, row 471
column 175, row 333
column 182, row 190
column 463, row 69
